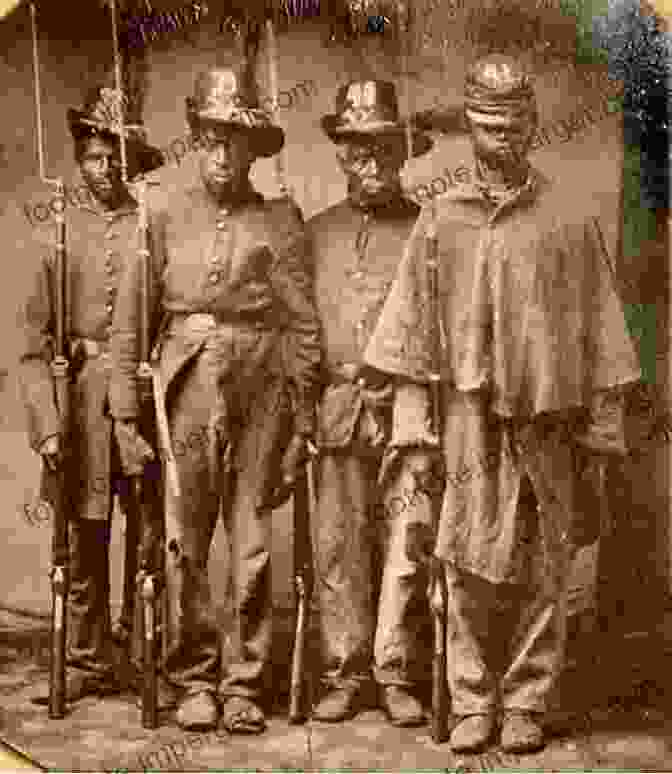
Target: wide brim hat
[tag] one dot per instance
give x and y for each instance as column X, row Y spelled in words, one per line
column 100, row 117
column 226, row 99
column 368, row 110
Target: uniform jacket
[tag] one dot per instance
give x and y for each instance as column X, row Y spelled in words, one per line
column 355, row 257
column 247, row 267
column 533, row 333
column 99, row 247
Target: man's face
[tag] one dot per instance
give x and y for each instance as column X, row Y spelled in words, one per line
column 501, row 141
column 373, row 167
column 100, row 164
column 225, row 161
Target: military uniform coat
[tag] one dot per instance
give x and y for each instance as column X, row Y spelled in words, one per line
column 244, row 266
column 99, row 245
column 532, row 333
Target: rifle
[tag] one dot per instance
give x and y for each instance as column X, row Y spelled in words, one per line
column 437, row 592
column 57, row 483
column 303, row 583
column 148, row 493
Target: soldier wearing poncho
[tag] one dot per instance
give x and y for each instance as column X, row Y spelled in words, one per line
column 534, row 356
column 238, row 348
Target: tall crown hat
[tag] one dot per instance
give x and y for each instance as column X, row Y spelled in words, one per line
column 369, row 109
column 497, row 85
column 227, row 99
column 102, row 116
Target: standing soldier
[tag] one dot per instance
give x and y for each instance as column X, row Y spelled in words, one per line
column 357, row 245
column 534, row 354
column 101, row 239
column 232, row 290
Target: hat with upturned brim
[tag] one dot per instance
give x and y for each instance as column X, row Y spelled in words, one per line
column 226, row 99
column 101, row 117
column 369, row 109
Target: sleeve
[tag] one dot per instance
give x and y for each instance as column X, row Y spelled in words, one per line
column 399, row 344
column 125, row 334
column 292, row 280
column 36, row 325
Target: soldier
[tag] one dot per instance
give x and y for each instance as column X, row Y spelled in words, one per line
column 101, row 239
column 357, row 245
column 535, row 353
column 233, row 289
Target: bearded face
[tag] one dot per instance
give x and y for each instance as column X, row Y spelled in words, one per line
column 373, row 168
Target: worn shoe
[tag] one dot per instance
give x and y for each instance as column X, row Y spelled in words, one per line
column 79, row 685
column 472, row 733
column 402, row 709
column 521, row 733
column 242, row 716
column 198, row 712
column 339, row 704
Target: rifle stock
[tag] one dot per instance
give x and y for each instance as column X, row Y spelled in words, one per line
column 60, row 559
column 437, row 592
column 148, row 492
column 303, row 581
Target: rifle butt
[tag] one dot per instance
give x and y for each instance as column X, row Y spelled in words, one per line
column 150, row 713
column 297, row 690
column 57, row 667
column 440, row 707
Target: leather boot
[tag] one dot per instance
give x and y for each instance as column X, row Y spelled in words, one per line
column 472, row 733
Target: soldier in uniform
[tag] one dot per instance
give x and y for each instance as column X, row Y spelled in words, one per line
column 236, row 362
column 534, row 357
column 357, row 245
column 101, row 239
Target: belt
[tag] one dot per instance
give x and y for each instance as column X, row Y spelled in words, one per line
column 201, row 322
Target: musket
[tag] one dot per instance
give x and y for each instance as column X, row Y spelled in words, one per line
column 299, row 706
column 60, row 368
column 437, row 592
column 147, row 485
column 304, row 581
column 148, row 491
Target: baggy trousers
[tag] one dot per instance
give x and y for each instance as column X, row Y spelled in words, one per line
column 505, row 642
column 360, row 629
column 195, row 642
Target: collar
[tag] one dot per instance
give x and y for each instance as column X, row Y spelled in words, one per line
column 128, row 205
column 245, row 198
column 397, row 207
column 479, row 191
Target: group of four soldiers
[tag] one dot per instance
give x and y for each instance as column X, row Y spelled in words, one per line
column 270, row 336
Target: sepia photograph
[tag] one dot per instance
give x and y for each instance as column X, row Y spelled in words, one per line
column 335, row 402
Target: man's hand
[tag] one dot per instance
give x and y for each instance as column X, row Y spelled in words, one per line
column 134, row 451
column 50, row 451
column 299, row 451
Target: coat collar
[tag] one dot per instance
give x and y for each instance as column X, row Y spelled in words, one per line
column 200, row 197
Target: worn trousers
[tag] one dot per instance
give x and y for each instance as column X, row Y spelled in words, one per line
column 505, row 642
column 89, row 620
column 195, row 641
column 365, row 626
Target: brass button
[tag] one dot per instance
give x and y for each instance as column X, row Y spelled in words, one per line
column 215, row 260
column 110, row 235
column 221, row 225
column 109, row 308
column 213, row 277
column 109, row 268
